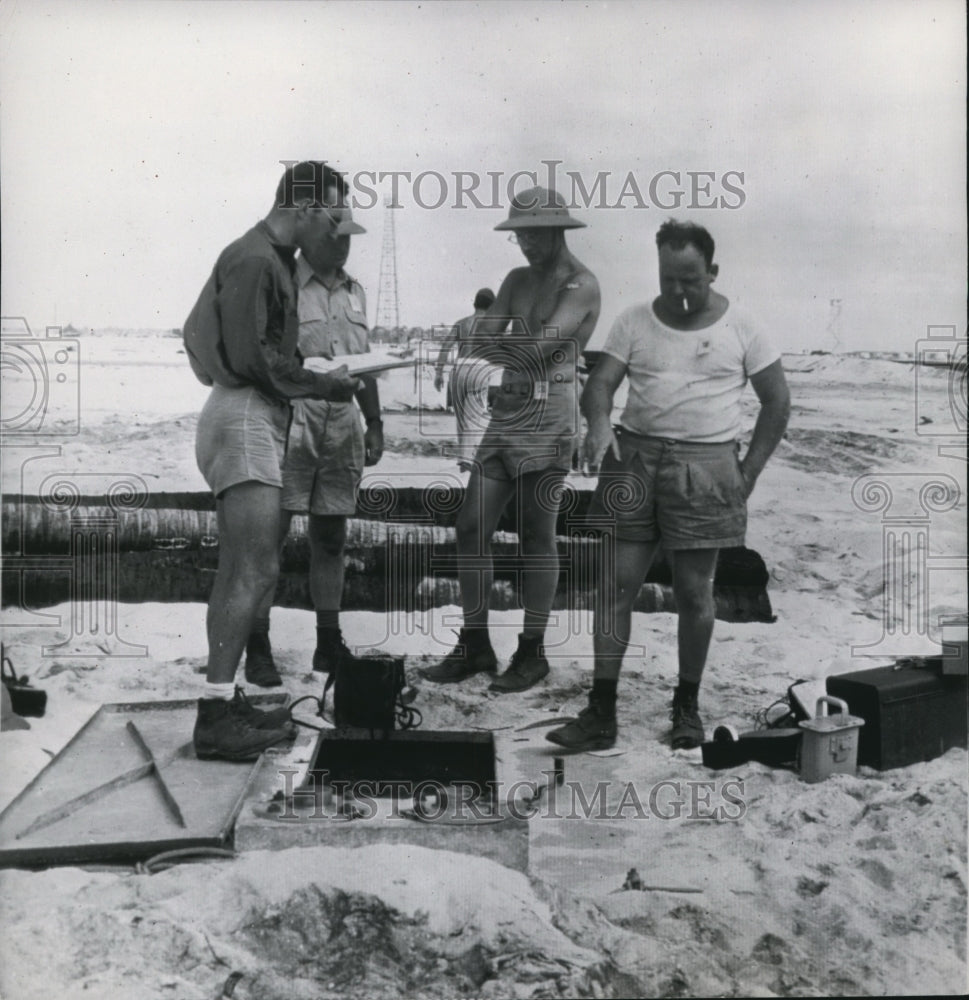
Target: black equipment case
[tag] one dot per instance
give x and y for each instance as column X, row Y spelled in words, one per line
column 912, row 711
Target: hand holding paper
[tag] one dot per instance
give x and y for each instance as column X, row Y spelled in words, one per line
column 360, row 364
column 338, row 385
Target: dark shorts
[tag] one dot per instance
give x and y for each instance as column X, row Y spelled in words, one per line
column 241, row 437
column 689, row 496
column 529, row 434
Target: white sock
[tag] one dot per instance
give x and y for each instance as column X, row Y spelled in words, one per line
column 223, row 692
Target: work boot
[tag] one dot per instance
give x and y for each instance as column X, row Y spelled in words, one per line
column 528, row 666
column 260, row 668
column 260, row 718
column 221, row 734
column 594, row 729
column 330, row 651
column 472, row 655
column 687, row 725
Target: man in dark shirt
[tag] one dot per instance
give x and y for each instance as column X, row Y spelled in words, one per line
column 241, row 339
column 328, row 446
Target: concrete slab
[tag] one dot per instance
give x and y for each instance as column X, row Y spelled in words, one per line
column 283, row 810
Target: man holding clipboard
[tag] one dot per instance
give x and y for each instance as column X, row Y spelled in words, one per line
column 328, row 444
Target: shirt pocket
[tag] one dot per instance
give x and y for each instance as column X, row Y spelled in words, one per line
column 348, row 332
column 314, row 338
column 357, row 332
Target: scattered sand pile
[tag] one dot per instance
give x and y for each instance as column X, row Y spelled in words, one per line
column 309, row 923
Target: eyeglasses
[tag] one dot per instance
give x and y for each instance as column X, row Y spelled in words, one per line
column 524, row 238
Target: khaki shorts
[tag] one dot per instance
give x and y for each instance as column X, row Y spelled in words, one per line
column 324, row 459
column 241, row 437
column 689, row 496
column 529, row 434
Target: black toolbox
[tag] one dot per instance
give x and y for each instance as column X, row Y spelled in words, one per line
column 912, row 711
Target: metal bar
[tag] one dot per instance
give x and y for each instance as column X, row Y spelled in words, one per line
column 93, row 794
column 99, row 791
column 156, row 771
column 557, row 720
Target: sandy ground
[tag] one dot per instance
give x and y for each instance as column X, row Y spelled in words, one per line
column 854, row 886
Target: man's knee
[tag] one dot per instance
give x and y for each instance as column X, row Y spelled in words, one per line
column 538, row 538
column 622, row 570
column 252, row 568
column 618, row 594
column 693, row 573
column 249, row 524
column 467, row 530
column 541, row 495
column 694, row 597
column 328, row 535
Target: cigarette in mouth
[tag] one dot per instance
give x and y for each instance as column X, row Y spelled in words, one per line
column 686, row 305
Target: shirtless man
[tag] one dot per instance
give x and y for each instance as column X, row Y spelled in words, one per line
column 674, row 458
column 527, row 447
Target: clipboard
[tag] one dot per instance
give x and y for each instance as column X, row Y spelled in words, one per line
column 358, row 364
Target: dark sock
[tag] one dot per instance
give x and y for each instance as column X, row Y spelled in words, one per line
column 476, row 636
column 260, row 626
column 328, row 619
column 604, row 695
column 687, row 689
column 327, row 637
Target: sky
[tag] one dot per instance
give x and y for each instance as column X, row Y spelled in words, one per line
column 827, row 139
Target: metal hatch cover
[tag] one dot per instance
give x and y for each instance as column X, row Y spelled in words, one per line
column 126, row 786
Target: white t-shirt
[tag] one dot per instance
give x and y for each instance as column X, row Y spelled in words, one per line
column 686, row 384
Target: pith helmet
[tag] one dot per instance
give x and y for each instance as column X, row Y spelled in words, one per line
column 342, row 215
column 539, row 207
column 346, row 226
column 349, row 228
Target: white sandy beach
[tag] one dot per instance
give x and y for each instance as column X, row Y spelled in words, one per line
column 854, row 886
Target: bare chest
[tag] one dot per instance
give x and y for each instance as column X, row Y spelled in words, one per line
column 533, row 302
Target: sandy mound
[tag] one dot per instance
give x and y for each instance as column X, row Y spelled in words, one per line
column 303, row 924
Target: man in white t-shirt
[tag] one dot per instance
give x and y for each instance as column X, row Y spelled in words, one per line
column 671, row 473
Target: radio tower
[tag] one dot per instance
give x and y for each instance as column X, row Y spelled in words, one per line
column 388, row 314
column 834, row 324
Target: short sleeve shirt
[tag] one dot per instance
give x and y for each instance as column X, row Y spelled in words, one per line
column 332, row 322
column 687, row 385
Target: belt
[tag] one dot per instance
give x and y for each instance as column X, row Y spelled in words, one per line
column 619, row 430
column 537, row 389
